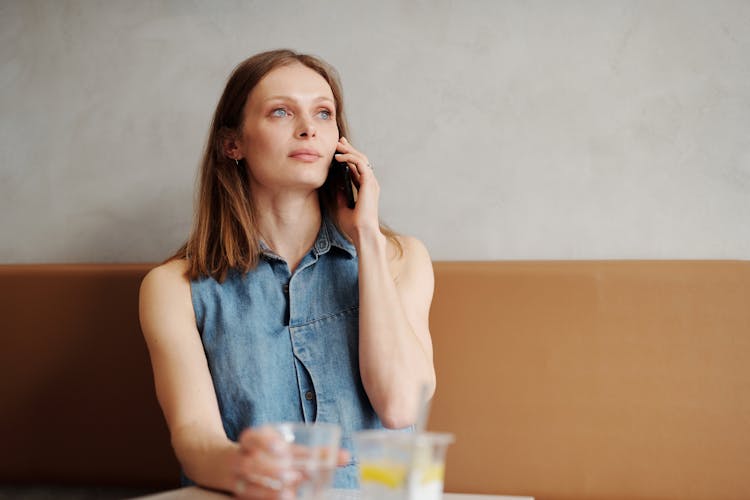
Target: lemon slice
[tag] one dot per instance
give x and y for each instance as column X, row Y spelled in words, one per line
column 433, row 472
column 391, row 475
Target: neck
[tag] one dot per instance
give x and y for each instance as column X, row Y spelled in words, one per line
column 289, row 226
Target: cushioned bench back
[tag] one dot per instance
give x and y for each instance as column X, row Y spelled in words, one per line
column 595, row 380
column 78, row 403
column 569, row 380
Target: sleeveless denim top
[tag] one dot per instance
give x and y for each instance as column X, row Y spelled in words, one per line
column 283, row 346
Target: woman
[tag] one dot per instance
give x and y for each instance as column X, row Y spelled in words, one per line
column 284, row 304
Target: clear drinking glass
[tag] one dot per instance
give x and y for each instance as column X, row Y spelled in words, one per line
column 314, row 450
column 400, row 465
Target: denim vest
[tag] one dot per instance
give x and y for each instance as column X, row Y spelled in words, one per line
column 283, row 346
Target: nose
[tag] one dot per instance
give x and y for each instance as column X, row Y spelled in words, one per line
column 306, row 128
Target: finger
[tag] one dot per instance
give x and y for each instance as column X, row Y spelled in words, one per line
column 256, row 492
column 353, row 157
column 362, row 174
column 267, row 482
column 358, row 162
column 343, row 147
column 243, row 489
column 346, row 147
column 356, row 178
column 344, row 457
column 257, row 485
column 266, row 470
column 262, row 438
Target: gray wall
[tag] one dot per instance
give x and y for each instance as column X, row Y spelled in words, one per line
column 500, row 129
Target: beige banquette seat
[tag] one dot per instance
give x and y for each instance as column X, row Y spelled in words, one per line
column 561, row 380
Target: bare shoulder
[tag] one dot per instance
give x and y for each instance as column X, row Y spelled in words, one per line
column 165, row 297
column 413, row 248
column 413, row 263
column 174, row 271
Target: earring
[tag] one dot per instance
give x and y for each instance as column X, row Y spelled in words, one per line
column 237, row 162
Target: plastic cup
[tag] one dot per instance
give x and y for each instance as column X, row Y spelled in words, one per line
column 401, row 465
column 314, row 451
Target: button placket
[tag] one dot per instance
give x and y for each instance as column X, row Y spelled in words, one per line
column 288, row 299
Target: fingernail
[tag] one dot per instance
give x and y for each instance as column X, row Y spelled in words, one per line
column 239, row 487
column 277, row 446
column 290, row 476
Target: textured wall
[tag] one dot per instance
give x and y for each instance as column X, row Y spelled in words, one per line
column 500, row 129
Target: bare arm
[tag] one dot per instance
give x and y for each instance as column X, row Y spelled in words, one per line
column 183, row 382
column 395, row 293
column 395, row 345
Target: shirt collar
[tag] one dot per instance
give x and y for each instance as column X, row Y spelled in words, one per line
column 328, row 236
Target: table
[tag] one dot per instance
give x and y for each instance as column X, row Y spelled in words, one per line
column 195, row 493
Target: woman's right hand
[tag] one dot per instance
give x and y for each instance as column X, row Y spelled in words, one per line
column 263, row 466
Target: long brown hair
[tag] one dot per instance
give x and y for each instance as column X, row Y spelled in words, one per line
column 225, row 234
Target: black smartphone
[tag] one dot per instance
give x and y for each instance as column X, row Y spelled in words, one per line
column 342, row 180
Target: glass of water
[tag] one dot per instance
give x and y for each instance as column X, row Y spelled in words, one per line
column 314, row 451
column 401, row 465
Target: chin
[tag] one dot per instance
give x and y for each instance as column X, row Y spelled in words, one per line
column 313, row 182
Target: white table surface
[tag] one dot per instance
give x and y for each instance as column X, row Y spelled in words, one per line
column 195, row 493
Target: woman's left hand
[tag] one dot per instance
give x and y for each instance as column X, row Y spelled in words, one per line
column 363, row 217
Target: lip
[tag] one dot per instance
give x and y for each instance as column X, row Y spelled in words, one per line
column 306, row 155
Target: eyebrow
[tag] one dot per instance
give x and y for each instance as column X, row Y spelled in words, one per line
column 289, row 98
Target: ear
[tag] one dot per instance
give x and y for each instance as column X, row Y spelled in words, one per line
column 230, row 144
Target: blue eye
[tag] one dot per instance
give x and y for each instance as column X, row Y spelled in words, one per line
column 280, row 112
column 325, row 114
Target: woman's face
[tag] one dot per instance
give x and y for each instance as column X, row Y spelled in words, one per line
column 289, row 131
